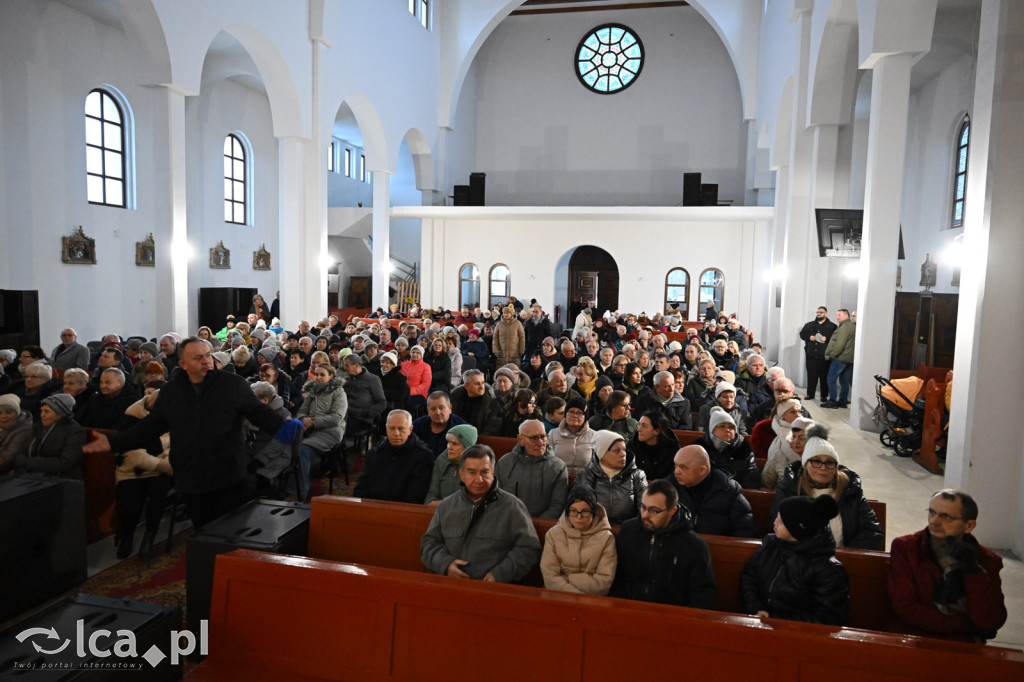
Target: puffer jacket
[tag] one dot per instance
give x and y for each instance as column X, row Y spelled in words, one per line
column 797, row 581
column 722, row 510
column 581, row 561
column 440, row 370
column 619, row 494
column 861, row 529
column 509, row 343
column 736, row 460
column 540, row 482
column 15, row 440
column 655, row 460
column 418, row 374
column 140, row 463
column 455, row 357
column 575, row 449
column 57, row 450
column 625, row 427
column 326, row 404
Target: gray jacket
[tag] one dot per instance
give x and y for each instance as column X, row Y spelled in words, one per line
column 495, row 535
column 620, row 495
column 575, row 449
column 444, row 479
column 540, row 482
column 75, row 355
column 327, row 405
column 14, row 441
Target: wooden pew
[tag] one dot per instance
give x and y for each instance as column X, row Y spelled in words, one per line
column 388, row 534
column 500, row 444
column 100, row 491
column 279, row 617
column 761, row 503
column 932, row 434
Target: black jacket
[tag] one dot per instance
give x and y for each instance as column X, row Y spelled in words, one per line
column 107, row 412
column 365, row 397
column 814, row 349
column 489, row 418
column 736, row 460
column 677, row 410
column 396, row 389
column 55, row 451
column 797, row 581
column 757, row 389
column 861, row 529
column 722, row 510
column 668, row 566
column 205, row 423
column 655, row 460
column 396, row 474
column 536, row 333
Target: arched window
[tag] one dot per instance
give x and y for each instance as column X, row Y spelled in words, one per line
column 237, row 180
column 960, row 177
column 712, row 288
column 107, row 149
column 469, row 286
column 500, row 285
column 677, row 292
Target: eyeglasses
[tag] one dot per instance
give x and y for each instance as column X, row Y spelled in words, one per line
column 653, row 511
column 823, row 463
column 942, row 516
column 575, row 413
column 583, row 514
column 536, row 439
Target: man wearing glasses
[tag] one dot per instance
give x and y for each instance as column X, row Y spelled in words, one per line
column 533, row 473
column 942, row 582
column 661, row 559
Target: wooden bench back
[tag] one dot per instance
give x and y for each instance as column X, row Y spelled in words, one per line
column 100, row 491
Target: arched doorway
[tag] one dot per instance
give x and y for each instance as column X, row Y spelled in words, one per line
column 593, row 277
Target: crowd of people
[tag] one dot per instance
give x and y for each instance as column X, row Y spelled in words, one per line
column 594, row 409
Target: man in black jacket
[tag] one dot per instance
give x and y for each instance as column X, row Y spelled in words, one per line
column 203, row 409
column 399, row 468
column 365, row 393
column 537, row 328
column 472, row 402
column 816, row 335
column 715, row 501
column 660, row 558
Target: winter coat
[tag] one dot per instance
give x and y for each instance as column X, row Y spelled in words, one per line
column 737, row 414
column 455, row 359
column 815, row 350
column 619, row 494
column 495, row 535
column 625, row 427
column 396, row 389
column 761, row 438
column 535, row 333
column 696, row 390
column 575, row 449
column 546, row 393
column 141, row 463
column 65, row 357
column 656, row 461
column 108, row 412
column 32, row 402
column 540, row 482
column 489, row 417
column 440, row 370
column 419, row 376
column 736, row 459
column 756, row 388
column 511, row 419
column 861, row 529
column 481, row 353
column 396, row 474
column 327, row 405
column 15, row 440
column 797, row 581
column 913, row 576
column 435, row 442
column 581, row 561
column 722, row 511
column 509, row 343
column 444, row 479
column 272, row 455
column 840, row 346
column 671, row 565
column 676, row 409
column 365, row 395
column 55, row 450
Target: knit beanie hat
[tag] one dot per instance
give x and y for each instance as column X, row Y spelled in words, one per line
column 268, row 353
column 150, row 348
column 603, row 442
column 474, row 333
column 785, row 405
column 801, row 424
column 675, row 347
column 61, row 403
column 581, row 493
column 719, row 416
column 577, row 403
column 10, row 402
column 603, row 381
column 8, row 355
column 805, row 517
column 133, row 344
column 257, row 333
column 344, row 351
column 728, row 375
column 390, row 355
column 223, row 357
column 723, row 387
column 506, row 372
column 817, row 444
column 548, row 340
column 464, row 433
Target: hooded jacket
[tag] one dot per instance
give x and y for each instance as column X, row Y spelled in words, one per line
column 327, row 405
column 797, row 581
column 540, row 482
column 722, row 510
column 619, row 494
column 495, row 535
column 736, row 459
column 418, row 374
column 671, row 565
column 581, row 561
column 509, row 343
column 396, row 473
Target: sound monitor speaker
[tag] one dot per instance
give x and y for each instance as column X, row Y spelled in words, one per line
column 216, row 303
column 461, row 195
column 19, row 318
column 691, row 189
column 476, row 188
column 709, row 194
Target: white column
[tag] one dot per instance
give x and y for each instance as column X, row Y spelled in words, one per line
column 381, row 237
column 179, row 250
column 986, row 444
column 883, row 190
column 300, row 269
column 778, row 241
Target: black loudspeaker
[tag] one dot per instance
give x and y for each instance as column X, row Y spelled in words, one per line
column 19, row 318
column 476, row 188
column 42, row 540
column 216, row 303
column 691, row 189
column 709, row 194
column 461, row 195
column 150, row 625
column 263, row 525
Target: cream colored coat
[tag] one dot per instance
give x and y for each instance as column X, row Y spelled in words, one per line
column 580, row 561
column 150, row 465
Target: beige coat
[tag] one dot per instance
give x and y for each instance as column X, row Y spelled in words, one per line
column 509, row 343
column 580, row 561
column 149, row 465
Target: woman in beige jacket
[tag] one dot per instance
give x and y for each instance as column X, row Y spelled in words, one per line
column 579, row 551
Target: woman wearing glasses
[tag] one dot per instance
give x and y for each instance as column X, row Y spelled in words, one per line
column 579, row 551
column 616, row 416
column 819, row 473
column 523, row 406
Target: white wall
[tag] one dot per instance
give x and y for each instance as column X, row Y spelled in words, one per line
column 544, row 139
column 349, row 190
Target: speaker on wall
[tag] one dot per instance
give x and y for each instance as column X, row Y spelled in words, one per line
column 709, row 194
column 691, row 189
column 476, row 188
column 461, row 195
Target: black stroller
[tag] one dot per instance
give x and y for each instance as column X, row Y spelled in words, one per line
column 900, row 413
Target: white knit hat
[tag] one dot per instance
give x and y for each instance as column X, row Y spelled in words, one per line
column 817, row 444
column 723, row 387
column 719, row 416
column 603, row 442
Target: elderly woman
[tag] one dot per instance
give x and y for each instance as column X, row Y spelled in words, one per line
column 612, row 474
column 504, row 386
column 245, row 365
column 76, row 385
column 522, row 407
column 323, row 410
column 586, row 377
column 766, row 433
column 618, row 370
column 616, row 416
column 15, row 431
column 573, row 440
column 819, row 473
column 440, row 366
column 36, row 384
column 791, row 449
column 579, row 551
column 281, row 382
column 455, row 357
column 396, row 388
column 445, row 478
column 729, row 451
column 697, row 388
column 418, row 373
column 57, row 442
column 654, row 445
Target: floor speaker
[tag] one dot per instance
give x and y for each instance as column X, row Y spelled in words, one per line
column 461, row 195
column 691, row 189
column 476, row 188
column 709, row 194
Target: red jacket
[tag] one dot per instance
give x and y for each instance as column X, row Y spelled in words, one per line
column 761, row 437
column 912, row 578
column 418, row 375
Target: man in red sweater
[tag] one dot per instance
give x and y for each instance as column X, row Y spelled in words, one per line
column 943, row 583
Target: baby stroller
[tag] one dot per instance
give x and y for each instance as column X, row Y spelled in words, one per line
column 900, row 413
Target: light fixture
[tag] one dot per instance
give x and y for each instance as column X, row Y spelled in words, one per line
column 954, row 253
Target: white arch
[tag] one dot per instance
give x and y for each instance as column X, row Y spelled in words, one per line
column 375, row 141
column 422, row 158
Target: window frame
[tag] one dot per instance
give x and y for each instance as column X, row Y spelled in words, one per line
column 348, row 161
column 332, row 157
column 362, row 168
column 720, row 302
column 420, row 9
column 960, row 147
column 126, row 152
column 685, row 312
column 491, row 280
column 247, row 180
column 463, row 280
